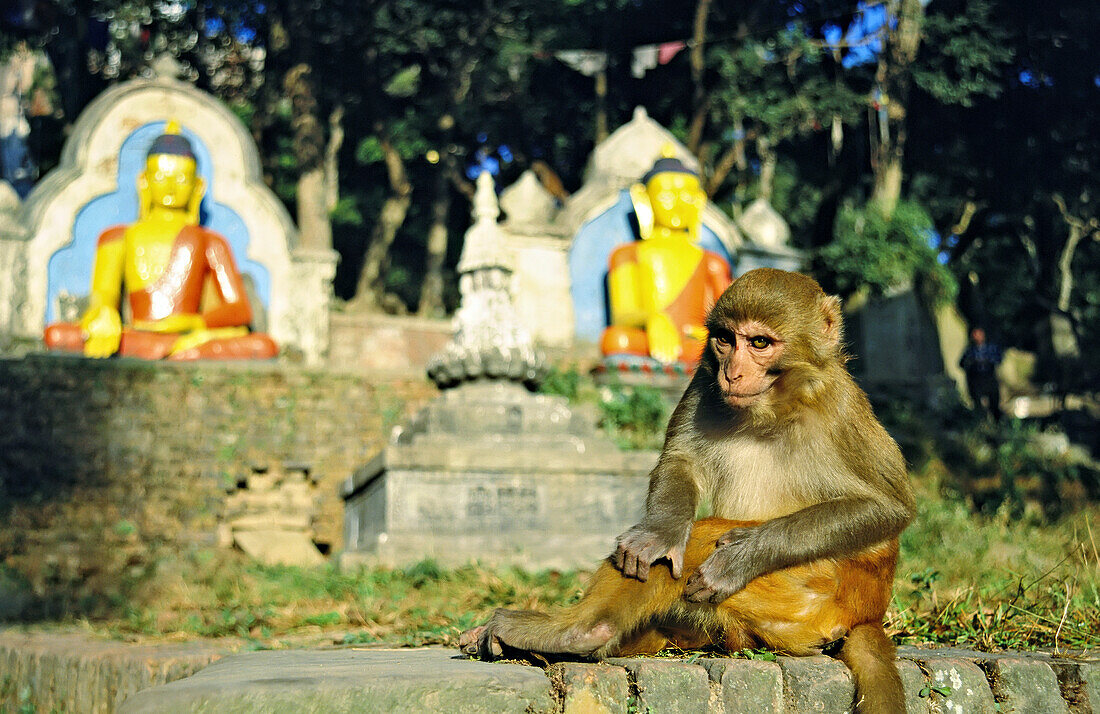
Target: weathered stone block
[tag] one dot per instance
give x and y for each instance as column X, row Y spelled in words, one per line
column 382, row 681
column 913, row 680
column 535, row 507
column 670, row 686
column 1089, row 675
column 1024, row 685
column 747, row 685
column 591, row 688
column 958, row 686
column 817, row 684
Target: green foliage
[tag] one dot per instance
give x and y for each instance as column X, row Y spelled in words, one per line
column 562, row 383
column 776, row 84
column 878, row 254
column 966, row 55
column 1013, row 465
column 346, row 212
column 125, row 528
column 635, row 416
column 405, row 136
column 794, row 196
column 404, row 83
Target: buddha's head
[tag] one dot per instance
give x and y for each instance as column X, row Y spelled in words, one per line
column 170, row 179
column 675, row 194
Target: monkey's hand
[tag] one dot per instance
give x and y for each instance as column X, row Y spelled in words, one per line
column 645, row 543
column 726, row 571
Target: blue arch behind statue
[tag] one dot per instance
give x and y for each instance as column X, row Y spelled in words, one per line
column 70, row 268
column 588, row 259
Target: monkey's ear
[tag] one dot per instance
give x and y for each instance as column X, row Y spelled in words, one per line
column 831, row 320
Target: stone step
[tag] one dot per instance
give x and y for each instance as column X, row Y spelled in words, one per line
column 77, row 673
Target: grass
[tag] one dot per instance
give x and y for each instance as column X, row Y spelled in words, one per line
column 1008, row 577
column 999, row 581
column 985, row 582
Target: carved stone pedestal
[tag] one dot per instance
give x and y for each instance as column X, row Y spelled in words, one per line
column 502, row 499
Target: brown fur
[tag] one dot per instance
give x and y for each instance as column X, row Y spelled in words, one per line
column 796, row 610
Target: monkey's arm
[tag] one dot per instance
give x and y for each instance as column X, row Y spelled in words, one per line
column 670, row 512
column 873, row 502
column 831, row 529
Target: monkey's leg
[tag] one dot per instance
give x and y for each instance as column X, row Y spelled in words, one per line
column 615, row 610
column 617, row 614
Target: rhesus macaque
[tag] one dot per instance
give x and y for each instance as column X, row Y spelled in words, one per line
column 808, row 491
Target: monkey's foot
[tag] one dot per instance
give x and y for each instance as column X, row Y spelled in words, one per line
column 469, row 642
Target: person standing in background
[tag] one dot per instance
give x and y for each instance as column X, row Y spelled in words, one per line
column 979, row 361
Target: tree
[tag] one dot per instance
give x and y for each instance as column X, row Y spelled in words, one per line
column 1013, row 185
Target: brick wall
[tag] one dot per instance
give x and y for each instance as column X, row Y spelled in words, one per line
column 100, row 459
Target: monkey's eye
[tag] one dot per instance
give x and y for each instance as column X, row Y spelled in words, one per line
column 721, row 339
column 760, row 342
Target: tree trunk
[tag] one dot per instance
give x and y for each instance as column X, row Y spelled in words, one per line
column 332, row 156
column 314, row 224
column 431, row 292
column 893, row 78
column 734, row 156
column 768, row 160
column 1063, row 335
column 699, row 102
column 601, row 106
column 370, row 286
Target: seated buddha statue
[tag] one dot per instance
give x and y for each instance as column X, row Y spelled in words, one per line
column 185, row 295
column 660, row 287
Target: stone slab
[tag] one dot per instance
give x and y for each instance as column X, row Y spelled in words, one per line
column 74, row 672
column 817, row 684
column 1025, row 685
column 590, row 688
column 432, row 679
column 748, row 685
column 668, row 685
column 914, row 681
column 61, row 672
column 1089, row 674
column 279, row 547
column 959, row 686
column 527, row 516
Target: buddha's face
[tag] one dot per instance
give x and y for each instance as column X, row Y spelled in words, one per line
column 171, row 179
column 677, row 199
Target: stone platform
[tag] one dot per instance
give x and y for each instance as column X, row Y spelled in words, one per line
column 491, row 472
column 76, row 673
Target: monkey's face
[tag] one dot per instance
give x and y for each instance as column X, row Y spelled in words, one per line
column 745, row 358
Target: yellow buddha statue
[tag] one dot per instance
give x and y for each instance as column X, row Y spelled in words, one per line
column 661, row 286
column 186, row 296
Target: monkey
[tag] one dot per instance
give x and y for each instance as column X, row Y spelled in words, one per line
column 799, row 610
column 808, row 492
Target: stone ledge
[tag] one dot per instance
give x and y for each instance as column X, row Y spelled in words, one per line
column 77, row 673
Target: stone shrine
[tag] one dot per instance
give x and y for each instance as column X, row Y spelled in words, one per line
column 46, row 252
column 490, row 471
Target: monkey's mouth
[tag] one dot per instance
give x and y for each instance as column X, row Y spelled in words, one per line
column 745, row 399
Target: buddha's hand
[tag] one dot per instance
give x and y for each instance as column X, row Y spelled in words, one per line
column 102, row 329
column 180, row 323
column 198, row 338
column 664, row 338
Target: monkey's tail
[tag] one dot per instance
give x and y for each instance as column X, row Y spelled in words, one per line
column 870, row 655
